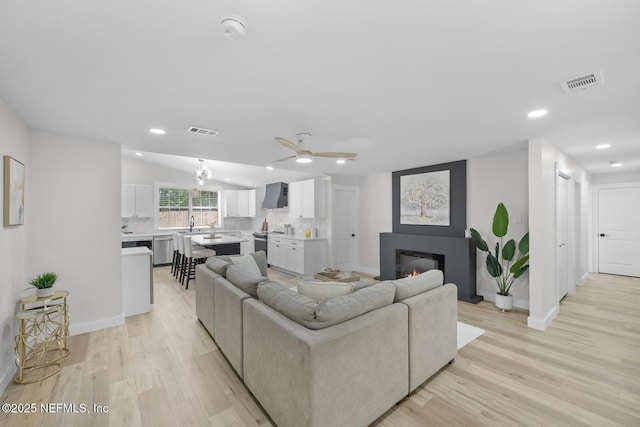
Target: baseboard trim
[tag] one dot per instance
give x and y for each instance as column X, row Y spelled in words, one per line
column 82, row 328
column 542, row 324
column 6, row 379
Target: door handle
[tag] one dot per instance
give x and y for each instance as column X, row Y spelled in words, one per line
column 604, row 235
column 353, row 235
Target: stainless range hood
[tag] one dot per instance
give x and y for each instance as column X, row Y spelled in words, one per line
column 276, row 196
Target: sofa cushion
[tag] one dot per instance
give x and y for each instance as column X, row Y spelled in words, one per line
column 323, row 291
column 340, row 309
column 245, row 280
column 218, row 265
column 248, row 263
column 411, row 286
column 260, row 258
column 319, row 315
column 297, row 307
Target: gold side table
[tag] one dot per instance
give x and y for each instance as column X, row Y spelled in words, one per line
column 39, row 343
column 59, row 298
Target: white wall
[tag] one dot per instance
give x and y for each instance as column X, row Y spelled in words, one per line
column 499, row 177
column 375, row 218
column 75, row 211
column 544, row 162
column 615, row 177
column 15, row 142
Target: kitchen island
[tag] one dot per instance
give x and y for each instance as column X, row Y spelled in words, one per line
column 221, row 243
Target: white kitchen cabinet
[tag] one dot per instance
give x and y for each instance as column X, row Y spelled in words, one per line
column 137, row 281
column 136, row 201
column 308, row 199
column 301, row 256
column 240, row 203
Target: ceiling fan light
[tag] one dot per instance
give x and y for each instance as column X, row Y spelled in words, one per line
column 304, row 158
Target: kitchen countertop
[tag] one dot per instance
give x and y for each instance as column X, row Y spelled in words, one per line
column 205, row 240
column 294, row 237
column 150, row 235
column 141, row 250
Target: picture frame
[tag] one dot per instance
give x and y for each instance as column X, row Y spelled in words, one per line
column 14, row 180
column 431, row 200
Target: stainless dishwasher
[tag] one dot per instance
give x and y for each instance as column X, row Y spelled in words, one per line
column 162, row 250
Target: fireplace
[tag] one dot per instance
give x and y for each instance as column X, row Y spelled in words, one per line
column 412, row 263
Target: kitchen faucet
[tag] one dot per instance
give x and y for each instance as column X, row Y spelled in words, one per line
column 192, row 223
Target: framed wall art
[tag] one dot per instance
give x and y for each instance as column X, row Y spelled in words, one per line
column 431, row 200
column 13, row 192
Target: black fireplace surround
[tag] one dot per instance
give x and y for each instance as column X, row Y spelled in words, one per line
column 449, row 242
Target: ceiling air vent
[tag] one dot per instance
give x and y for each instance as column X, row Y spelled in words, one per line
column 583, row 82
column 202, row 131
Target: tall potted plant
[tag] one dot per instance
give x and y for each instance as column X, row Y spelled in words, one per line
column 503, row 264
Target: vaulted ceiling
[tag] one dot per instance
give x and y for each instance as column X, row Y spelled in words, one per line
column 402, row 83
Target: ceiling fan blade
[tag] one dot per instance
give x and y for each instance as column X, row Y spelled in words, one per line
column 288, row 144
column 285, row 158
column 335, row 155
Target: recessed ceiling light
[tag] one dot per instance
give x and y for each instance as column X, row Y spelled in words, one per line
column 227, row 179
column 138, row 154
column 233, row 27
column 157, row 131
column 615, row 164
column 269, row 168
column 537, row 113
column 341, row 161
column 603, row 146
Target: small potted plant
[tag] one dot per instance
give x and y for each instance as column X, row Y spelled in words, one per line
column 503, row 264
column 44, row 284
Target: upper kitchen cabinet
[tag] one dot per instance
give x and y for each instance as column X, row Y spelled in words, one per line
column 137, row 201
column 239, row 203
column 308, row 199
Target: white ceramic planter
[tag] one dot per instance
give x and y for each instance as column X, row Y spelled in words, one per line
column 504, row 303
column 45, row 292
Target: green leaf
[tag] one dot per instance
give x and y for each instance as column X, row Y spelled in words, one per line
column 523, row 246
column 518, row 264
column 479, row 241
column 520, row 272
column 500, row 221
column 493, row 266
column 509, row 250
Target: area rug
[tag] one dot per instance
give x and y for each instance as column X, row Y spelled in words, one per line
column 467, row 333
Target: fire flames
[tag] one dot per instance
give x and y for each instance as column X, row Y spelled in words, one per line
column 412, row 274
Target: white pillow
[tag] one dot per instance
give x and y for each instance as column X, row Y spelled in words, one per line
column 248, row 263
column 323, row 291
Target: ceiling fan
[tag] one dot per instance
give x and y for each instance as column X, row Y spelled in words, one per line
column 306, row 156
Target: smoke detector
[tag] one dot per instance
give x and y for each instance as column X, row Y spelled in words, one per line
column 582, row 82
column 233, row 27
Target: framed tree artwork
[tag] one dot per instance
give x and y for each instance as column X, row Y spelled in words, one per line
column 431, row 200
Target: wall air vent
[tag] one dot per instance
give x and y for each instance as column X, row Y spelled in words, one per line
column 583, row 82
column 202, row 131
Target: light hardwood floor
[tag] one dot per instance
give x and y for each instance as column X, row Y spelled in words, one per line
column 163, row 369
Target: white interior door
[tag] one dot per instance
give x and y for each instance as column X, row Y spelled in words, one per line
column 562, row 235
column 619, row 231
column 345, row 226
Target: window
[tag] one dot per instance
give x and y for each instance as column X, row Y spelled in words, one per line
column 177, row 205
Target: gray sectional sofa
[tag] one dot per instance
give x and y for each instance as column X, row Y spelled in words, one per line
column 342, row 362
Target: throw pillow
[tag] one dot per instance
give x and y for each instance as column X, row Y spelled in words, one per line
column 323, row 291
column 218, row 265
column 248, row 282
column 411, row 286
column 248, row 263
column 299, row 308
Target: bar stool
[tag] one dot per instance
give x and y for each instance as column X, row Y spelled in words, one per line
column 176, row 258
column 193, row 257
